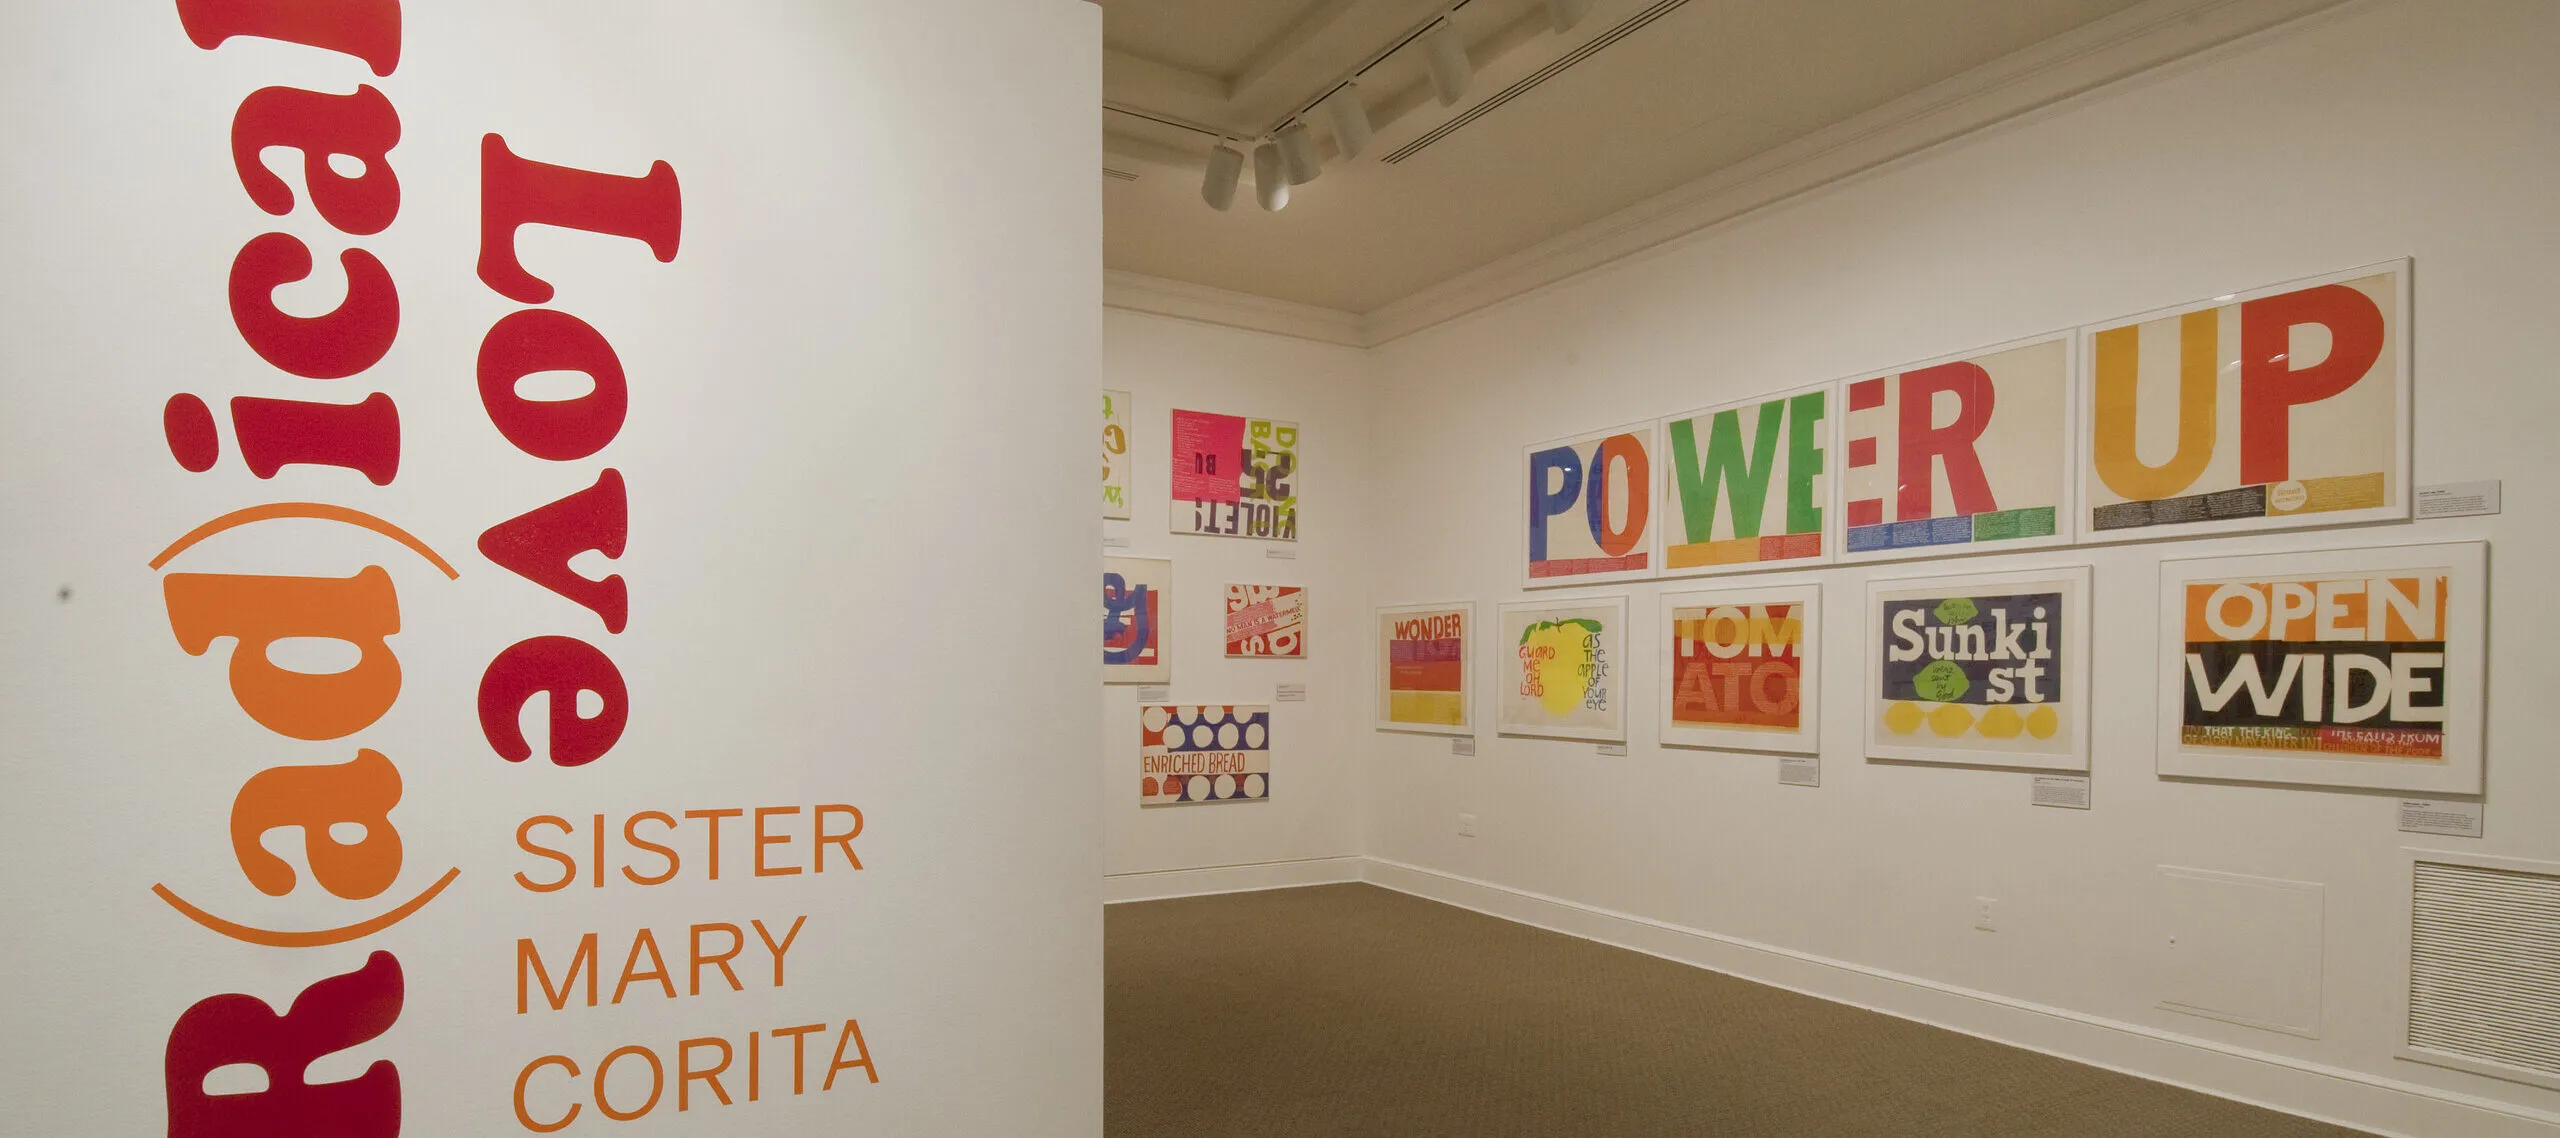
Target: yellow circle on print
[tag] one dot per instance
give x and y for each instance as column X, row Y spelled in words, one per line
column 2043, row 722
column 1950, row 720
column 2001, row 723
column 1902, row 718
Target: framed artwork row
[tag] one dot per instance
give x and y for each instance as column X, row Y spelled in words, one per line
column 2355, row 667
column 2277, row 408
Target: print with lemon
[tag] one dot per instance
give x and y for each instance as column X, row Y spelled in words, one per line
column 1979, row 671
column 1563, row 667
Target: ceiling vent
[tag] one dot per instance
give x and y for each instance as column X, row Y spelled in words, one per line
column 1587, row 50
column 2484, row 966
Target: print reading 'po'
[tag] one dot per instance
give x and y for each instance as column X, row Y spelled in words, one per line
column 1561, row 665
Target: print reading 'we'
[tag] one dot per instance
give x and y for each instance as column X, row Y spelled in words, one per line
column 1722, row 510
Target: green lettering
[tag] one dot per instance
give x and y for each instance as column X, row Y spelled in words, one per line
column 1745, row 483
column 1804, row 460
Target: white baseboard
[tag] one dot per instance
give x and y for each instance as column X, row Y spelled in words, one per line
column 2330, row 1094
column 1161, row 884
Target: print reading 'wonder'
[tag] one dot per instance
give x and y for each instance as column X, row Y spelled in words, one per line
column 2342, row 665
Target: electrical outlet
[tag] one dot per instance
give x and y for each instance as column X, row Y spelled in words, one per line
column 1985, row 914
column 1466, row 825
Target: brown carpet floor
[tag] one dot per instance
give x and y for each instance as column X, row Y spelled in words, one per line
column 1355, row 1011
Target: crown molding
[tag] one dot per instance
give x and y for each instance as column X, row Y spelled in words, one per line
column 2110, row 51
column 1138, row 292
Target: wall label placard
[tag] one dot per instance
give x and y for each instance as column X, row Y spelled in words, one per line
column 2458, row 499
column 2451, row 817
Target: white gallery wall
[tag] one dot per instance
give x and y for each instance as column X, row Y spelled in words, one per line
column 801, row 588
column 2373, row 131
column 1312, row 817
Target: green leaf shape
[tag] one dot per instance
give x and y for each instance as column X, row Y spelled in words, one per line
column 1957, row 610
column 1941, row 681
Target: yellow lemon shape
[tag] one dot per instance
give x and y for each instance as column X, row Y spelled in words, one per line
column 1564, row 674
column 1902, row 718
column 2001, row 723
column 1950, row 720
column 2043, row 722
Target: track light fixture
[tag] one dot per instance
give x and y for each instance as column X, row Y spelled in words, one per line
column 1270, row 182
column 1562, row 15
column 1445, row 51
column 1218, row 188
column 1298, row 153
column 1350, row 121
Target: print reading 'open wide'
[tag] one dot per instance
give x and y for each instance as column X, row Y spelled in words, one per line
column 2348, row 666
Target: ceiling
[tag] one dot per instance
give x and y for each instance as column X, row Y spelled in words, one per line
column 1681, row 89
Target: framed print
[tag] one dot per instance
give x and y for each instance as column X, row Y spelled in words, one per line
column 1194, row 753
column 1422, row 668
column 1234, row 476
column 1986, row 670
column 1562, row 669
column 1115, row 454
column 1744, row 485
column 1136, row 635
column 1964, row 454
column 1739, row 668
column 1589, row 503
column 1267, row 621
column 2348, row 667
column 2283, row 407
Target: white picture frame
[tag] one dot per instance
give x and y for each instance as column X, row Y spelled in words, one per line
column 2222, row 477
column 2228, row 703
column 1382, row 693
column 1748, row 642
column 1570, row 547
column 1847, row 415
column 1546, row 712
column 2002, row 664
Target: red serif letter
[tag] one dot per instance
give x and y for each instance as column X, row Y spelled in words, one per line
column 519, row 191
column 366, row 29
column 362, row 126
column 539, row 544
column 561, row 667
column 2272, row 384
column 329, row 1016
column 346, row 341
column 362, row 437
column 1922, row 441
column 538, row 340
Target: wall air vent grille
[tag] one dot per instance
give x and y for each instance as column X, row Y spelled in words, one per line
column 2484, row 968
column 1587, row 50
